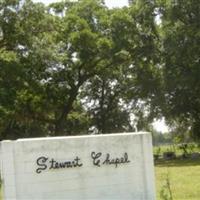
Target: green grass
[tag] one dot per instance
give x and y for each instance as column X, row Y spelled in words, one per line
column 184, row 178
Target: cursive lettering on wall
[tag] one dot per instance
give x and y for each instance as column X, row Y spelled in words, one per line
column 95, row 157
column 46, row 163
column 41, row 161
column 98, row 159
column 116, row 161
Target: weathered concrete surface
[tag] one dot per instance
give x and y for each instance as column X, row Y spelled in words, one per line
column 114, row 166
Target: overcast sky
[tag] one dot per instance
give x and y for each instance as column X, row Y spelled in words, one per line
column 109, row 3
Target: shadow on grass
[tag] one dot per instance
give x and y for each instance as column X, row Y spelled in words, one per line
column 178, row 162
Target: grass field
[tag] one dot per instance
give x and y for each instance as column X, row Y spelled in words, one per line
column 183, row 176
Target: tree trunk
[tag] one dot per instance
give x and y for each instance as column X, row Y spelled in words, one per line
column 60, row 122
column 102, row 123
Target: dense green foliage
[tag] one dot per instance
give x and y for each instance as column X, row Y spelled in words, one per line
column 74, row 65
column 180, row 35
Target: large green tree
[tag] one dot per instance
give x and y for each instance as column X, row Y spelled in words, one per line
column 27, row 43
column 132, row 88
column 53, row 58
column 51, row 54
column 180, row 37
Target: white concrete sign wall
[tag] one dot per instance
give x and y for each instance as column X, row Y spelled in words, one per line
column 104, row 167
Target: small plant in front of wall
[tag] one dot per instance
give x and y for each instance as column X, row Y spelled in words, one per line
column 166, row 192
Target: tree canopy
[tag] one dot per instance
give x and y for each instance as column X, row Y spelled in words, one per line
column 74, row 65
column 180, row 36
